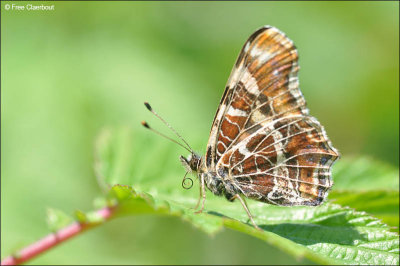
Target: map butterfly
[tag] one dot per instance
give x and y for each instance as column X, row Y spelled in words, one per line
column 263, row 144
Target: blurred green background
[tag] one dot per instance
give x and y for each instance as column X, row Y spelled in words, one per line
column 65, row 74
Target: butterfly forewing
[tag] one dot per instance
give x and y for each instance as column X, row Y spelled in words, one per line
column 262, row 139
column 263, row 86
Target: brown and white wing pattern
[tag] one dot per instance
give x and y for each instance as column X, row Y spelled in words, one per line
column 286, row 162
column 262, row 140
column 262, row 87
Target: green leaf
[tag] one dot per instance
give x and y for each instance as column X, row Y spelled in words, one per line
column 328, row 234
column 57, row 219
column 368, row 185
column 365, row 174
column 383, row 204
column 81, row 216
column 92, row 218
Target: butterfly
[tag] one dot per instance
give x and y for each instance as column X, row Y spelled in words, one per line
column 263, row 143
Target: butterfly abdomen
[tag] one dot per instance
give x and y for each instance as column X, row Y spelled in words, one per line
column 220, row 187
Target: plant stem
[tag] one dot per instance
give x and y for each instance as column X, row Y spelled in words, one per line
column 52, row 240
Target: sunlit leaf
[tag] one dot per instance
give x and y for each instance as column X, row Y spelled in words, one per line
column 383, row 204
column 326, row 234
column 364, row 173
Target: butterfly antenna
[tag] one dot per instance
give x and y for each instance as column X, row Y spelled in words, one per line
column 146, row 125
column 188, row 148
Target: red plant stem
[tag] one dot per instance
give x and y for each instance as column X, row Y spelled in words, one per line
column 52, row 240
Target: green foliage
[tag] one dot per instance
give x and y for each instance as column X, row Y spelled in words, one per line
column 360, row 174
column 383, row 204
column 328, row 234
column 88, row 218
column 57, row 219
column 369, row 186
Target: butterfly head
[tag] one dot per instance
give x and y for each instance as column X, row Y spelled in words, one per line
column 191, row 163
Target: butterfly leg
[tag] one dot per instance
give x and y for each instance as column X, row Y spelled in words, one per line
column 202, row 195
column 237, row 196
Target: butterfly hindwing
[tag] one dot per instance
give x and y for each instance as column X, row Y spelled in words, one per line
column 285, row 163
